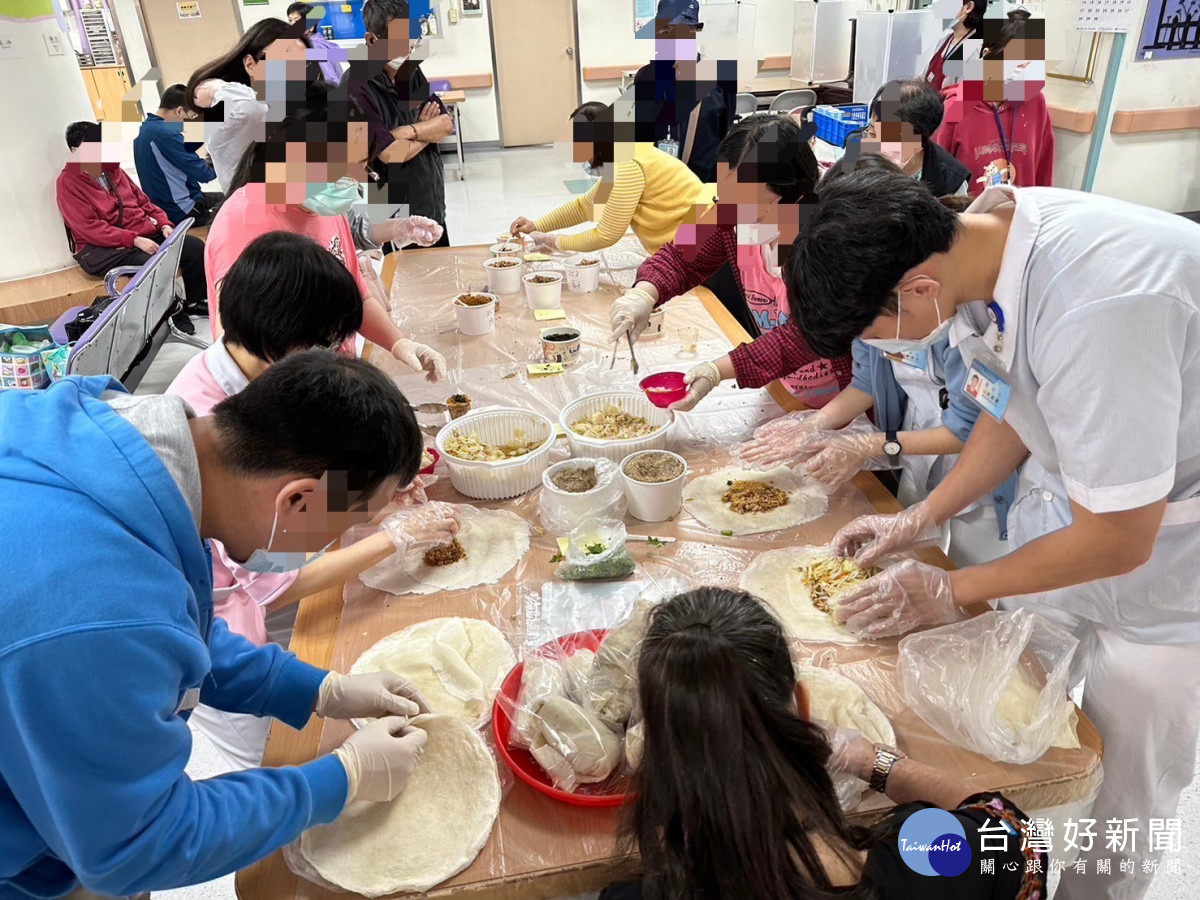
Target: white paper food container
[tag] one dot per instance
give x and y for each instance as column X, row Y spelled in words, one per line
column 543, row 296
column 513, row 249
column 582, row 279
column 507, row 478
column 476, row 319
column 654, row 502
column 633, row 402
column 503, row 280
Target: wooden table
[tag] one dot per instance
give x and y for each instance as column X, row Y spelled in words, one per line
column 555, row 832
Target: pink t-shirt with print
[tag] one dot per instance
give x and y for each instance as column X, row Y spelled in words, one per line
column 246, row 215
column 766, row 295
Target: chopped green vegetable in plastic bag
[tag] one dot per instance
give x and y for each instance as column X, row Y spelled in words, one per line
column 596, row 550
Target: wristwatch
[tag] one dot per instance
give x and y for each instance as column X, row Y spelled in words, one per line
column 892, row 448
column 885, row 758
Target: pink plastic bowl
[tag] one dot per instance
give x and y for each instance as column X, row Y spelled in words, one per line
column 664, row 388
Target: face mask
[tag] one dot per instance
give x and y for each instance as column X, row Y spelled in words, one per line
column 756, row 234
column 593, row 171
column 266, row 562
column 332, row 199
column 906, row 346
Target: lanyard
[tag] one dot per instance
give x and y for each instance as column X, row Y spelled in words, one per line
column 1003, row 138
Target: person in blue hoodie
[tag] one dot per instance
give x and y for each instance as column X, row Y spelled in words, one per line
column 923, row 418
column 109, row 636
column 169, row 169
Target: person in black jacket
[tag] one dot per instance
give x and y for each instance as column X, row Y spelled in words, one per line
column 668, row 91
column 904, row 115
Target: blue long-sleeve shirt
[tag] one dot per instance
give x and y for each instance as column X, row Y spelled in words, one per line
column 108, row 638
column 873, row 374
column 169, row 171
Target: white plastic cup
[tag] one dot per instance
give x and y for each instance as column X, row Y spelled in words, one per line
column 476, row 319
column 503, row 279
column 508, row 248
column 565, row 350
column 543, row 296
column 655, row 328
column 583, row 279
column 654, row 502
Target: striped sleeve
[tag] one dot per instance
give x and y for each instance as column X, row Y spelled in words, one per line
column 613, row 216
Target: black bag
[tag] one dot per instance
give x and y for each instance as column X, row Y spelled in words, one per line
column 86, row 318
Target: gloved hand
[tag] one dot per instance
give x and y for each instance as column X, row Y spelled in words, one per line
column 899, row 599
column 422, row 528
column 542, row 242
column 630, row 313
column 840, row 456
column 421, row 357
column 870, row 538
column 781, row 441
column 522, row 225
column 380, row 758
column 853, row 754
column 700, row 380
column 417, row 230
column 370, row 695
column 415, row 494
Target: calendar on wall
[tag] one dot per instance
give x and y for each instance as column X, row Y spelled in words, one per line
column 1105, row 15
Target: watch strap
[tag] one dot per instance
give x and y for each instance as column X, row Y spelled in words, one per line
column 890, row 438
column 885, row 759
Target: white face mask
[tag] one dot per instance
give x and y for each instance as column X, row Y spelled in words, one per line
column 268, row 562
column 756, row 234
column 912, row 346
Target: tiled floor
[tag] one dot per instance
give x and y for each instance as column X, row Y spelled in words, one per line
column 501, row 185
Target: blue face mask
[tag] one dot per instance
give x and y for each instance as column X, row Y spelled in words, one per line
column 268, row 562
column 906, row 346
column 332, row 199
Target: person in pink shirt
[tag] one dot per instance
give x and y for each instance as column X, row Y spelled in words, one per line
column 285, row 293
column 295, row 182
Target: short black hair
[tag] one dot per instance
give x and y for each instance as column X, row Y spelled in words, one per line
column 1018, row 25
column 302, row 8
column 772, row 150
column 82, row 132
column 867, row 229
column 315, row 412
column 595, row 123
column 974, row 19
column 862, row 162
column 911, row 100
column 285, row 292
column 173, row 97
column 376, row 15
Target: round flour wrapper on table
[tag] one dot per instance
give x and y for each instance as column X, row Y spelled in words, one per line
column 494, row 540
column 807, row 500
column 429, row 833
column 836, row 700
column 456, row 663
column 774, row 577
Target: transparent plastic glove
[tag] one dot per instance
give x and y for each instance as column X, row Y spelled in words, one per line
column 422, row 528
column 870, row 538
column 542, row 242
column 899, row 599
column 419, row 230
column 371, row 695
column 421, row 357
column 700, row 380
column 415, row 494
column 630, row 313
column 840, row 456
column 783, row 440
column 853, row 754
column 380, row 758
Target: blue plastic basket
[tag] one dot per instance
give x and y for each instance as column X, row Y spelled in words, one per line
column 836, row 123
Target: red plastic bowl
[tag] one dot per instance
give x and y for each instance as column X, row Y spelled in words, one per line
column 428, row 470
column 608, row 793
column 664, row 388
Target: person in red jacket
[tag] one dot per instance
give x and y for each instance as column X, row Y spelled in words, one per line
column 112, row 223
column 999, row 127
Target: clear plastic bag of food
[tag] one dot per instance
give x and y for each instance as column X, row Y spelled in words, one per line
column 595, row 550
column 612, row 688
column 574, row 745
column 582, row 488
column 996, row 684
column 550, row 672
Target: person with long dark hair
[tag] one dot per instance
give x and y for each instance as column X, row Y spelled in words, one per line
column 764, row 164
column 734, row 798
column 325, row 138
column 229, row 92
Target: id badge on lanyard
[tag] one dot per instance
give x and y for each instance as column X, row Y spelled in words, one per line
column 990, row 390
column 669, row 146
column 998, row 178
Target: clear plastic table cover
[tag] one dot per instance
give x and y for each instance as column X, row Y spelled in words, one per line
column 535, row 836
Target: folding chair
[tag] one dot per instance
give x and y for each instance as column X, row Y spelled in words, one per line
column 790, row 101
column 745, row 105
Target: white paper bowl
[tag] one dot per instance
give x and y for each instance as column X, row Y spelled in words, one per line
column 583, row 279
column 475, row 320
column 655, row 502
column 512, row 249
column 633, row 402
column 544, row 296
column 504, row 279
column 505, row 478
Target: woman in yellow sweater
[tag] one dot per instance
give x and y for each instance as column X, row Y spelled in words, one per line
column 640, row 187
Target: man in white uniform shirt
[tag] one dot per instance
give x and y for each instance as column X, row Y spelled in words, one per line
column 1080, row 315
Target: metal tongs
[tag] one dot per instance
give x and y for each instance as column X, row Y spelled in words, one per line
column 633, row 363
